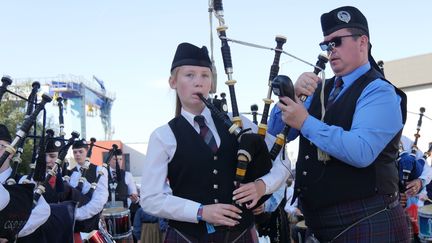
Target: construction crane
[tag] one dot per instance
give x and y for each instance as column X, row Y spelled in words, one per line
column 84, row 100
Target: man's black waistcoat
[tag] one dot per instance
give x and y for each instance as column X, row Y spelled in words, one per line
column 320, row 184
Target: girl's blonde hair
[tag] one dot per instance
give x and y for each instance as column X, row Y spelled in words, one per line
column 178, row 103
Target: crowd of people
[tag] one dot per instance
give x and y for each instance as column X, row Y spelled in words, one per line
column 356, row 178
column 72, row 202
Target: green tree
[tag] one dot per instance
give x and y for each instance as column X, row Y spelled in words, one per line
column 12, row 114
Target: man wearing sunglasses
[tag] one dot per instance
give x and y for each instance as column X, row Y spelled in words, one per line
column 347, row 180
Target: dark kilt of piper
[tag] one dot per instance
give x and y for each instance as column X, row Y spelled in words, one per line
column 58, row 227
column 247, row 236
column 388, row 226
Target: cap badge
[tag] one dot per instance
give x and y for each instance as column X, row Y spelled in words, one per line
column 57, row 143
column 344, row 16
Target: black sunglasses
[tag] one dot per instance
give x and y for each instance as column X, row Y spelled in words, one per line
column 334, row 42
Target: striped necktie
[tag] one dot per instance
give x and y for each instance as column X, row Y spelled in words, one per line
column 206, row 134
column 337, row 89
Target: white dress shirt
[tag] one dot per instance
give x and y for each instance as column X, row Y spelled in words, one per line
column 290, row 209
column 4, row 199
column 99, row 198
column 156, row 194
column 276, row 198
column 39, row 214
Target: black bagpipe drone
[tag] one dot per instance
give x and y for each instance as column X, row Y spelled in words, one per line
column 235, row 125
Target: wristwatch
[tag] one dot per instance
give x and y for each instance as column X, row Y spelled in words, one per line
column 199, row 213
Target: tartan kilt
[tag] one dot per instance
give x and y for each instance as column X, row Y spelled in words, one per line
column 388, row 226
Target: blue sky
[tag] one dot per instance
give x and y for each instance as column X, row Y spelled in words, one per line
column 130, row 45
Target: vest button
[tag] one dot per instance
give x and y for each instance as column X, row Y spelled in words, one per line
column 215, row 157
column 215, row 186
column 304, row 173
column 215, row 172
column 216, row 201
column 306, row 157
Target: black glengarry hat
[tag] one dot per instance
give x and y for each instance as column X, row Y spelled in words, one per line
column 53, row 145
column 188, row 54
column 118, row 152
column 82, row 143
column 343, row 17
column 5, row 134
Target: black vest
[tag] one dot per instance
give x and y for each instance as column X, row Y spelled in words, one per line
column 320, row 184
column 197, row 174
column 92, row 223
column 15, row 215
column 121, row 191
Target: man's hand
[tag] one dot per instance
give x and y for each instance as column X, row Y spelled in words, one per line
column 221, row 214
column 413, row 187
column 134, row 197
column 306, row 84
column 293, row 113
column 249, row 193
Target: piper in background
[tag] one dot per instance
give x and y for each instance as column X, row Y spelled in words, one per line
column 53, row 147
column 126, row 190
column 87, row 215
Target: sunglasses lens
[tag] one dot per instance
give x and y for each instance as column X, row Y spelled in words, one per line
column 324, row 46
column 337, row 41
column 330, row 44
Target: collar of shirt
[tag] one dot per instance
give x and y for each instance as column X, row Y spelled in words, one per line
column 208, row 119
column 354, row 75
column 78, row 168
column 5, row 174
column 347, row 81
column 207, row 115
column 112, row 170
